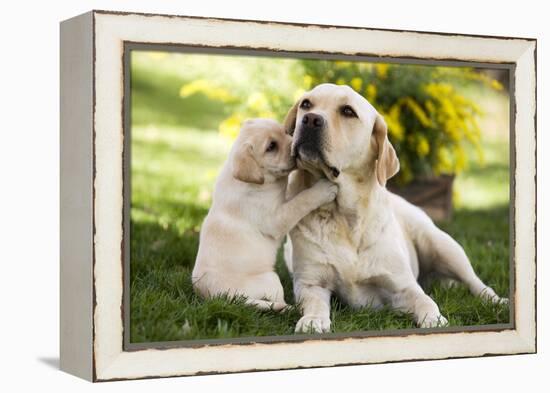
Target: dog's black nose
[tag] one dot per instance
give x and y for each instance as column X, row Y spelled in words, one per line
column 312, row 120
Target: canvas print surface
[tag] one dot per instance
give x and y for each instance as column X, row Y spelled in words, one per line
column 277, row 196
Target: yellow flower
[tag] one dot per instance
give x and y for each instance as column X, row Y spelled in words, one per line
column 405, row 172
column 340, row 81
column 496, row 85
column 371, row 92
column 418, row 111
column 208, row 88
column 356, row 83
column 444, row 160
column 460, row 159
column 439, row 90
column 341, row 64
column 452, row 130
column 308, row 81
column 395, row 128
column 430, row 106
column 382, row 70
column 230, row 127
column 423, row 147
column 155, row 55
column 448, row 108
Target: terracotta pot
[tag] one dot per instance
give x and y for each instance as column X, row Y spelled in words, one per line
column 433, row 194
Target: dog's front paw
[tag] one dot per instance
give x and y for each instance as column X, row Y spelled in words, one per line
column 326, row 191
column 490, row 296
column 313, row 324
column 434, row 321
column 500, row 300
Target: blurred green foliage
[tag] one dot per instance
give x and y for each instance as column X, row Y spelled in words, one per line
column 430, row 121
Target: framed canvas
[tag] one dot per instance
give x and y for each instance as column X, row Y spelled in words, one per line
column 153, row 109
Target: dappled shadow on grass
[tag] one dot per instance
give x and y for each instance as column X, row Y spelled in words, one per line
column 169, row 151
column 165, row 308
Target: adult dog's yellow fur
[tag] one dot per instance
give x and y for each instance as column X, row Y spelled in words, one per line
column 370, row 246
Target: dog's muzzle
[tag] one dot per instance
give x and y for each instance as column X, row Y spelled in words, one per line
column 309, row 144
column 309, row 141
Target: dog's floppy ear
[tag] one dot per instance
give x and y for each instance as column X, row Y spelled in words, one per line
column 290, row 119
column 245, row 166
column 387, row 163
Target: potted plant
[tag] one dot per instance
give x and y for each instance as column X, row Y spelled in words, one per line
column 430, row 123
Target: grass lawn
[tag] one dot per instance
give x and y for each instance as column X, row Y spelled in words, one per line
column 172, row 174
column 173, row 170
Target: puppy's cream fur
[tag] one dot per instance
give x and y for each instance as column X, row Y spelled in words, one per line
column 250, row 216
column 370, row 246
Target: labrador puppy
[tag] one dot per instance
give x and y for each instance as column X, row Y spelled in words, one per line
column 369, row 246
column 250, row 216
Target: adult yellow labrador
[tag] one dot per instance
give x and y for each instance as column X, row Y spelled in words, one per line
column 369, row 246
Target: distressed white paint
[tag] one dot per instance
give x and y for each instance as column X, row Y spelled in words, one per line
column 112, row 30
column 525, row 195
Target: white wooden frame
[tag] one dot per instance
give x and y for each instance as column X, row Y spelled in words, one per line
column 92, row 92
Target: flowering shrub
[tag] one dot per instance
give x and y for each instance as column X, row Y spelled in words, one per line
column 429, row 120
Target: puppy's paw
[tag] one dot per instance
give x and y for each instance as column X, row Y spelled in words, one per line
column 267, row 305
column 313, row 324
column 326, row 190
column 434, row 321
column 280, row 306
column 498, row 300
column 501, row 300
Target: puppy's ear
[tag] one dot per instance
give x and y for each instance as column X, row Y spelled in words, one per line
column 290, row 119
column 387, row 163
column 245, row 166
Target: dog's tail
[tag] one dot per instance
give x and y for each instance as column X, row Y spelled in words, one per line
column 287, row 254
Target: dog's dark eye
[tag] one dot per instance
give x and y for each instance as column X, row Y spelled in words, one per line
column 348, row 111
column 306, row 104
column 271, row 147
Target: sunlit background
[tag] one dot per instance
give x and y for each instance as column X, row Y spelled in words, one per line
column 449, row 125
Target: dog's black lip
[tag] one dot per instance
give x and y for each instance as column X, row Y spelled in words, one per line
column 335, row 172
column 297, row 153
column 295, row 150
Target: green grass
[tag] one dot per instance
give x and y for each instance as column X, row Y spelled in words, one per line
column 172, row 174
column 173, row 170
